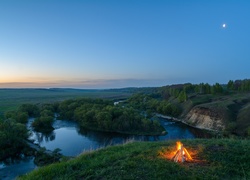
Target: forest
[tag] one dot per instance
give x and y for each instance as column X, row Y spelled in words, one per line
column 96, row 114
column 103, row 115
column 232, row 100
column 132, row 116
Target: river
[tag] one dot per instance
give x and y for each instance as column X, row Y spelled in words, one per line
column 72, row 140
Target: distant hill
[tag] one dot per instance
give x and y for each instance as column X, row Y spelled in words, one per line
column 10, row 99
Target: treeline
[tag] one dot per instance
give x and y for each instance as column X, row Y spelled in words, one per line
column 102, row 115
column 239, row 85
column 151, row 105
column 168, row 100
column 43, row 114
column 94, row 114
column 181, row 91
column 13, row 133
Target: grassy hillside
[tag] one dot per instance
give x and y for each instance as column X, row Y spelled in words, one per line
column 212, row 159
column 229, row 111
column 10, row 99
column 243, row 120
column 233, row 107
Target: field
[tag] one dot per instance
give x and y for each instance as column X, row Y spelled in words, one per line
column 212, row 159
column 11, row 99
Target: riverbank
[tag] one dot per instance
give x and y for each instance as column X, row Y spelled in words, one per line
column 136, row 133
column 212, row 159
column 182, row 121
column 73, row 141
column 36, row 147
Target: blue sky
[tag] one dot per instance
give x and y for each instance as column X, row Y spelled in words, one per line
column 113, row 44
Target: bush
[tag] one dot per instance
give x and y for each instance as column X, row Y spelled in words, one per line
column 43, row 123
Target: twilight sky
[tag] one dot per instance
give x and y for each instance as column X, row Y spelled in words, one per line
column 122, row 43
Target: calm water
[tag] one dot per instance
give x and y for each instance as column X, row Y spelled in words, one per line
column 72, row 141
column 9, row 171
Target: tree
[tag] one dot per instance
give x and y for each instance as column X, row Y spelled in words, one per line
column 207, row 88
column 104, row 120
column 12, row 135
column 230, row 85
column 217, row 89
column 182, row 96
column 31, row 109
column 43, row 123
column 19, row 116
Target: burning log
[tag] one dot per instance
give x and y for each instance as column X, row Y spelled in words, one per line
column 181, row 154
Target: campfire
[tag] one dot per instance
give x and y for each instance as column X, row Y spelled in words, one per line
column 181, row 154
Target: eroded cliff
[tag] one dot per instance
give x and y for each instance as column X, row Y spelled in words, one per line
column 206, row 118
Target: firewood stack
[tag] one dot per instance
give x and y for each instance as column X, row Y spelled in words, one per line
column 181, row 154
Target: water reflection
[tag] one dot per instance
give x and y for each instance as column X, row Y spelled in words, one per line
column 10, row 170
column 44, row 136
column 73, row 140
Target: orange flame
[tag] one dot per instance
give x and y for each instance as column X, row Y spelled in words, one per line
column 181, row 154
column 178, row 145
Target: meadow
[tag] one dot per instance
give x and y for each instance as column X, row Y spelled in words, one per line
column 11, row 99
column 212, row 159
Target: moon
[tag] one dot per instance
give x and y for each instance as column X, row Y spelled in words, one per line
column 224, row 25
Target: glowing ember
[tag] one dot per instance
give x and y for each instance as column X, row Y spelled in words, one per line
column 181, row 154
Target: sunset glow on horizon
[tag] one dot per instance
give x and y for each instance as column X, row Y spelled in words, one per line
column 111, row 44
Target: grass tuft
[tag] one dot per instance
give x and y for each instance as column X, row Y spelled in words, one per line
column 213, row 159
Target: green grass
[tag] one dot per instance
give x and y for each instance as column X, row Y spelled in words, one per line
column 243, row 120
column 201, row 99
column 221, row 100
column 234, row 108
column 213, row 159
column 11, row 99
